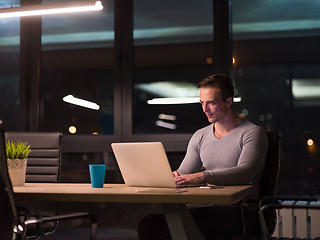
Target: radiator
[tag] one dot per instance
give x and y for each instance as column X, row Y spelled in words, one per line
column 298, row 222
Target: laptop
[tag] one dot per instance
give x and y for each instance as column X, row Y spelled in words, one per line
column 144, row 164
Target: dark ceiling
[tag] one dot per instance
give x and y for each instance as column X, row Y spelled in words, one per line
column 171, row 21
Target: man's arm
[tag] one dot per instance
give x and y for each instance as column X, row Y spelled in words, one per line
column 198, row 177
column 192, row 161
column 191, row 165
column 250, row 163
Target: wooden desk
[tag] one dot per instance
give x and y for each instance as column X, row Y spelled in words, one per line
column 181, row 224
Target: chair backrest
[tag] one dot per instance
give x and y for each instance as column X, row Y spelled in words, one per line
column 8, row 213
column 44, row 160
column 270, row 174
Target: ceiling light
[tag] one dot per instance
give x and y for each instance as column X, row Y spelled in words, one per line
column 237, row 99
column 305, row 89
column 181, row 100
column 164, row 124
column 174, row 100
column 56, row 8
column 167, row 117
column 80, row 102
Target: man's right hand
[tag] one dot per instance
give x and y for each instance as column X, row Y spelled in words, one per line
column 198, row 177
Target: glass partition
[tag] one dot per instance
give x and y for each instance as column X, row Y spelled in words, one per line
column 10, row 69
column 277, row 74
column 77, row 72
column 173, row 51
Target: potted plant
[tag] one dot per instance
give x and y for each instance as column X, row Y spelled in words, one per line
column 17, row 154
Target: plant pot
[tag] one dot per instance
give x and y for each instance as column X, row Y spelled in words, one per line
column 17, row 171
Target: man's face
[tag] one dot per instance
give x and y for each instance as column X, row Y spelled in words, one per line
column 213, row 105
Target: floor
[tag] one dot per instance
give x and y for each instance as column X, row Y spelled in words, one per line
column 102, row 234
column 119, row 222
column 109, row 228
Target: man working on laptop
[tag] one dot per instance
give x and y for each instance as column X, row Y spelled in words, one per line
column 230, row 151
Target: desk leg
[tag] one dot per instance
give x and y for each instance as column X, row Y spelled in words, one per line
column 181, row 223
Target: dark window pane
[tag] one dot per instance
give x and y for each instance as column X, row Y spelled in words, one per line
column 162, row 84
column 9, row 68
column 173, row 51
column 264, row 19
column 90, row 85
column 277, row 75
column 171, row 21
column 77, row 65
column 75, row 167
column 78, row 30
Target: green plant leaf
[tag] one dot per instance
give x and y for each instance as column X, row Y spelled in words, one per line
column 19, row 150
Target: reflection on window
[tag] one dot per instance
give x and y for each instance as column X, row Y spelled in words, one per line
column 9, row 28
column 80, row 30
column 169, row 92
column 67, row 115
column 76, row 82
column 170, row 95
column 9, row 68
column 306, row 92
column 281, row 18
column 163, row 106
column 171, row 21
column 75, row 167
column 278, row 77
column 170, row 60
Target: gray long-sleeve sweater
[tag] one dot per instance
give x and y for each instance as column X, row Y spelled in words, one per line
column 236, row 159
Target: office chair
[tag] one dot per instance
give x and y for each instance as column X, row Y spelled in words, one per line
column 268, row 184
column 43, row 165
column 270, row 174
column 269, row 178
column 44, row 160
column 12, row 226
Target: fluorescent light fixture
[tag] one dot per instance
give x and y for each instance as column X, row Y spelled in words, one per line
column 169, row 89
column 237, row 99
column 306, row 88
column 54, row 8
column 80, row 102
column 306, row 92
column 164, row 124
column 164, row 116
column 171, row 92
column 186, row 100
column 174, row 100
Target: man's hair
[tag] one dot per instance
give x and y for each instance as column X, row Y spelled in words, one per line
column 221, row 81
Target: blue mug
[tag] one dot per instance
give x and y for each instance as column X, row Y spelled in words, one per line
column 97, row 174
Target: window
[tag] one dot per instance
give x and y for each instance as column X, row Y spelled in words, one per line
column 78, row 65
column 9, row 71
column 173, row 52
column 276, row 72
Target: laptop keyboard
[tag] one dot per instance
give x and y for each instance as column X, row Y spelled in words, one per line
column 190, row 185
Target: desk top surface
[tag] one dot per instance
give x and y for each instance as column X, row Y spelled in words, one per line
column 78, row 192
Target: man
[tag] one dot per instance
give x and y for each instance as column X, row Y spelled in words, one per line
column 230, row 151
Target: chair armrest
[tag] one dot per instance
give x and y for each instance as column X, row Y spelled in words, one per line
column 92, row 217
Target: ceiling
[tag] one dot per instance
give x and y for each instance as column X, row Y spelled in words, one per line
column 155, row 22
